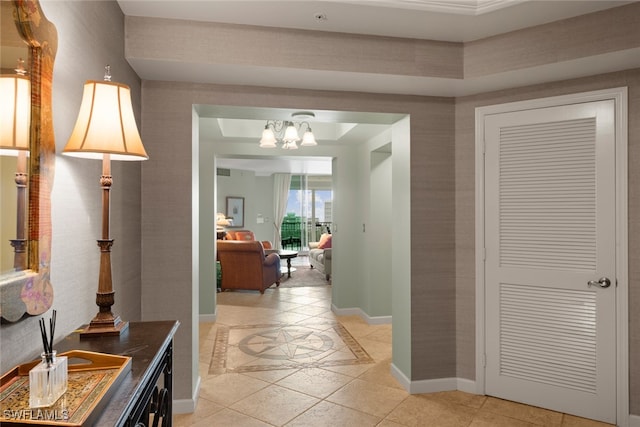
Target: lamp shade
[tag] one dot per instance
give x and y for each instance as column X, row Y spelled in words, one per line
column 290, row 133
column 15, row 114
column 268, row 138
column 106, row 124
column 308, row 140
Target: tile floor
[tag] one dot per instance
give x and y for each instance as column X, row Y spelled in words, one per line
column 301, row 391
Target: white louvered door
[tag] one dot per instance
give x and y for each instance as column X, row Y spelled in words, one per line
column 549, row 230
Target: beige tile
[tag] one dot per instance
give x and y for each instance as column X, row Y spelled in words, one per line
column 339, row 355
column 522, row 412
column 182, row 420
column 381, row 374
column 418, row 411
column 329, row 414
column 291, row 317
column 275, row 405
column 328, row 315
column 388, row 423
column 205, row 408
column 272, row 375
column 381, row 333
column 227, row 389
column 315, row 382
column 356, row 395
column 228, row 418
column 489, row 419
column 572, row 421
column 236, row 358
column 350, row 370
column 377, row 350
column 458, row 398
column 310, row 310
column 359, row 395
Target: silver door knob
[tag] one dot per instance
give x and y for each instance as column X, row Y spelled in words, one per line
column 602, row 283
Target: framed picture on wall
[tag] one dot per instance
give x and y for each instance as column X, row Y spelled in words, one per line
column 235, row 210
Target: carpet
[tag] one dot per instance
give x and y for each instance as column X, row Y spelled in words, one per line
column 303, row 275
column 251, row 348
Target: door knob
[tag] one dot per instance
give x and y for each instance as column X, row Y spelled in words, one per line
column 602, row 283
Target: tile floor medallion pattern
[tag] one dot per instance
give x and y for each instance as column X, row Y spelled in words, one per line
column 277, row 346
column 283, row 358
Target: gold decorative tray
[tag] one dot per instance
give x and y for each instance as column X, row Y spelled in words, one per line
column 92, row 378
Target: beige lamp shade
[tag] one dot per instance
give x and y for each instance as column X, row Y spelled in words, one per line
column 106, row 124
column 15, row 114
column 222, row 220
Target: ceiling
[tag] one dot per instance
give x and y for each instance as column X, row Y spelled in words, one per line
column 445, row 20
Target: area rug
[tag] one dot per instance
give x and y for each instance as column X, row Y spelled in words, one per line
column 302, row 275
column 251, row 348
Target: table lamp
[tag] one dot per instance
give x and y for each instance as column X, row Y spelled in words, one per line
column 106, row 129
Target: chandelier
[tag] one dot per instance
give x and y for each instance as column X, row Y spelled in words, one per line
column 287, row 132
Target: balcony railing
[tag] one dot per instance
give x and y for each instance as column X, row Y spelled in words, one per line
column 292, row 233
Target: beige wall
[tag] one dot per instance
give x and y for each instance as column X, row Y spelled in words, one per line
column 465, row 206
column 167, row 279
column 76, row 203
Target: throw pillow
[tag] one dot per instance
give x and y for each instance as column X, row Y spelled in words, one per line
column 325, row 241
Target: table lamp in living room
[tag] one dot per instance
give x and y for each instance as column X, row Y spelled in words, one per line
column 106, row 129
column 221, row 222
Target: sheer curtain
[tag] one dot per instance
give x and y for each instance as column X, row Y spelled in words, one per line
column 281, row 185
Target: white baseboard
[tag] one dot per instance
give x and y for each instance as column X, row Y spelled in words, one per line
column 345, row 311
column 187, row 406
column 432, row 386
column 207, row 318
column 357, row 311
column 634, row 420
column 468, row 386
column 401, row 377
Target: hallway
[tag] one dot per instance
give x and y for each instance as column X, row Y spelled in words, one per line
column 259, row 378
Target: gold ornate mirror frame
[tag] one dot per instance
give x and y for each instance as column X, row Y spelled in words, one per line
column 31, row 292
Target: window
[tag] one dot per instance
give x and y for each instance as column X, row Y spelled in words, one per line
column 309, row 210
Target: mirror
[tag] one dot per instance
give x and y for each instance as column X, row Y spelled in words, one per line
column 12, row 50
column 25, row 286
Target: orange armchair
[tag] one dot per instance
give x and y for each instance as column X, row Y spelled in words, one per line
column 245, row 266
column 245, row 235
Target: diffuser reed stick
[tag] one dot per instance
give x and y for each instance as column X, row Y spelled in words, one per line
column 47, row 341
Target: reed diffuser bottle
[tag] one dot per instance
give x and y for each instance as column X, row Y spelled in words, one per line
column 48, row 379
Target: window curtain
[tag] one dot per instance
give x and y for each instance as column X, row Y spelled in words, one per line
column 281, row 185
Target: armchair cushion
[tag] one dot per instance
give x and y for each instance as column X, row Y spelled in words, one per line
column 245, row 235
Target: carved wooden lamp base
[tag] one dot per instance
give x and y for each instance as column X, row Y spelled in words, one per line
column 105, row 323
column 97, row 329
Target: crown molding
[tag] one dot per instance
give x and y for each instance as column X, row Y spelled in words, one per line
column 456, row 7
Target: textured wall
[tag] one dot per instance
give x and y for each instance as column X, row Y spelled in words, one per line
column 166, row 205
column 76, row 197
column 465, row 208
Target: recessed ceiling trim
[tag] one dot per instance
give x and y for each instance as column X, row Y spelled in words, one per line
column 458, row 7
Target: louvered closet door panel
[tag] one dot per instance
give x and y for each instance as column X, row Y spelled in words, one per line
column 547, row 195
column 549, row 229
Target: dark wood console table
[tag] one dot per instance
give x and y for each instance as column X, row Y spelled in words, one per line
column 140, row 396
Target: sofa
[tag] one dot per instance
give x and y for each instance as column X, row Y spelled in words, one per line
column 245, row 266
column 320, row 255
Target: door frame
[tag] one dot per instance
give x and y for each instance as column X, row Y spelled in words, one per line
column 619, row 95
